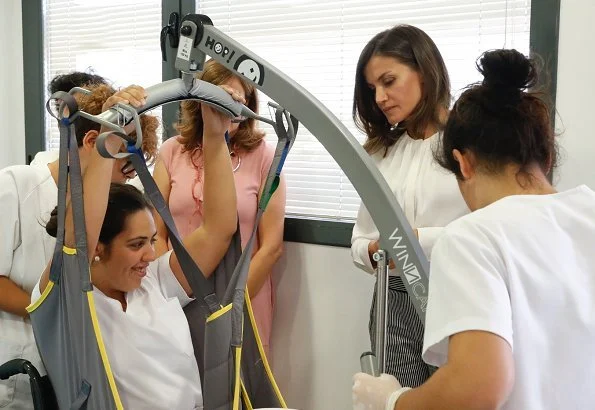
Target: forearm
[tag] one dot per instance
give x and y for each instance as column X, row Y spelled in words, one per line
column 163, row 181
column 13, row 299
column 448, row 389
column 96, row 186
column 219, row 205
column 261, row 267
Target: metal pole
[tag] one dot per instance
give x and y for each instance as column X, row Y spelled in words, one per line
column 381, row 259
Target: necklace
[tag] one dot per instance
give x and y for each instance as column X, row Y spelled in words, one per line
column 196, row 160
column 236, row 160
column 233, row 155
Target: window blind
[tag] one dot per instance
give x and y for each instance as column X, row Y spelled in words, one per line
column 317, row 43
column 115, row 39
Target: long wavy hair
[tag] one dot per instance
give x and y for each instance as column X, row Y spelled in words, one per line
column 190, row 125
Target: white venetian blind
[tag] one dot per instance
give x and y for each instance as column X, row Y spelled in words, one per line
column 318, row 43
column 118, row 40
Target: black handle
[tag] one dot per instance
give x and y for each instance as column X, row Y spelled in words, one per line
column 172, row 30
column 15, row 366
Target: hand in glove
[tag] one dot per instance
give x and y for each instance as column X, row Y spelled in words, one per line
column 373, row 393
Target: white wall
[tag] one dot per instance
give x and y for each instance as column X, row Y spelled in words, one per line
column 320, row 326
column 12, row 117
column 576, row 93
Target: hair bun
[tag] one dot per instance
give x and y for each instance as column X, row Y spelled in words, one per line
column 507, row 69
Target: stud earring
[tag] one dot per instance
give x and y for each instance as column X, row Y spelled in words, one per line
column 96, row 258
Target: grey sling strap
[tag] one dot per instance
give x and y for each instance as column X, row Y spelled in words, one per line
column 64, row 319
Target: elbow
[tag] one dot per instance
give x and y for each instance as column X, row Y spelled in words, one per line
column 229, row 227
column 490, row 396
column 271, row 251
column 276, row 251
column 484, row 402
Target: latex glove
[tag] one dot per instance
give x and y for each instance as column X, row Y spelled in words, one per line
column 372, row 393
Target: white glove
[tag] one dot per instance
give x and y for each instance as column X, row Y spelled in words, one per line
column 373, row 393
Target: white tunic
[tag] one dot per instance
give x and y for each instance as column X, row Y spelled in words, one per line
column 523, row 268
column 149, row 345
column 27, row 197
column 429, row 195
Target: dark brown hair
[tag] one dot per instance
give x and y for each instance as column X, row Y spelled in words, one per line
column 498, row 120
column 124, row 200
column 66, row 82
column 413, row 47
column 190, row 125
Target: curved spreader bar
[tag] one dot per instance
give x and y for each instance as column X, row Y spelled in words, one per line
column 199, row 38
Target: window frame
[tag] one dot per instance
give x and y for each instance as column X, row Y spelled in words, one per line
column 543, row 40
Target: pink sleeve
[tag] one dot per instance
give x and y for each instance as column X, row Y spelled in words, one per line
column 267, row 160
column 166, row 152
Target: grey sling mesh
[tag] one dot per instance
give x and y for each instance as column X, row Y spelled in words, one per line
column 62, row 322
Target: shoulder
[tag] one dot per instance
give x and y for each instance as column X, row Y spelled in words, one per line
column 261, row 156
column 25, row 178
column 488, row 226
column 395, row 150
column 262, row 149
column 42, row 158
column 170, row 149
column 171, row 146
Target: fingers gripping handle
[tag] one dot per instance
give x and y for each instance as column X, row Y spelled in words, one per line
column 176, row 90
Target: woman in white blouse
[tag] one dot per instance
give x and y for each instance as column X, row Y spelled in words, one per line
column 401, row 101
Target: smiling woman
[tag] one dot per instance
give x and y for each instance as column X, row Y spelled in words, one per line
column 125, row 245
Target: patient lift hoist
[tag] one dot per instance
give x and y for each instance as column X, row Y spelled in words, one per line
column 234, row 370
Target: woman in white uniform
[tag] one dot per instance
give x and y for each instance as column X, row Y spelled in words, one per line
column 28, row 195
column 401, row 100
column 139, row 298
column 512, row 285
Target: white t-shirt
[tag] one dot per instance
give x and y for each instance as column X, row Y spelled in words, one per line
column 149, row 346
column 27, row 197
column 523, row 268
column 42, row 158
column 429, row 195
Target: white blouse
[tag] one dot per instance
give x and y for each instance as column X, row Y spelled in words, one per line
column 429, row 196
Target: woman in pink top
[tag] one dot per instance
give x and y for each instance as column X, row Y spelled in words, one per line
column 179, row 176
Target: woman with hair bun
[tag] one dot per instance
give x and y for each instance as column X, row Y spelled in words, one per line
column 510, row 313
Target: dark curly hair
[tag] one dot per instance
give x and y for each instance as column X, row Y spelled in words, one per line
column 66, row 82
